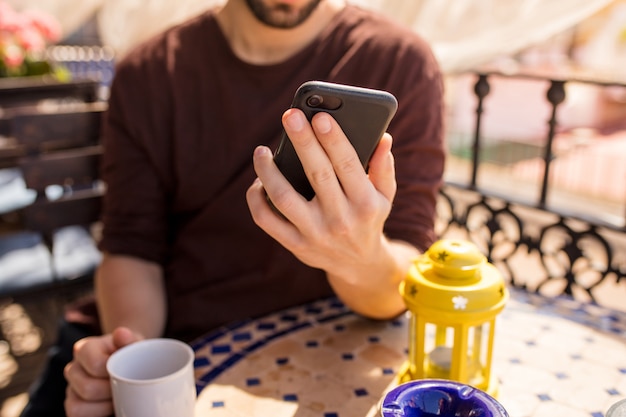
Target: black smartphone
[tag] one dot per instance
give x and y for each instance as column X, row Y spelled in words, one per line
column 363, row 114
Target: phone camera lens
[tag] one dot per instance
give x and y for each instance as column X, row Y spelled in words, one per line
column 315, row 100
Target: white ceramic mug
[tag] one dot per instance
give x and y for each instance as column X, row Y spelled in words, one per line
column 153, row 378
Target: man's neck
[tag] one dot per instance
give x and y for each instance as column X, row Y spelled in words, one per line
column 257, row 43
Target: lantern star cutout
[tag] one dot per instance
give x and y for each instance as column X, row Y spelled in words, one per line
column 460, row 302
column 442, row 256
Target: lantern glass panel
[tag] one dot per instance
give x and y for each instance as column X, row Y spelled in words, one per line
column 438, row 345
column 439, row 351
column 479, row 354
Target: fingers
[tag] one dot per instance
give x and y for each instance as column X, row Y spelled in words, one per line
column 89, row 391
column 382, row 172
column 279, row 191
column 333, row 169
column 345, row 164
column 92, row 353
column 282, row 196
column 89, row 388
column 85, row 385
column 332, row 164
column 77, row 407
column 123, row 336
column 307, row 141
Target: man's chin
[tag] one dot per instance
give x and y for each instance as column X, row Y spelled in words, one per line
column 283, row 20
column 283, row 15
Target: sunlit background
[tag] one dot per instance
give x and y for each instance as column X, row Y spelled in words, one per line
column 585, row 36
column 465, row 34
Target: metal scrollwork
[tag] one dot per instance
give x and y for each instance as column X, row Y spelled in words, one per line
column 579, row 259
column 535, row 250
column 497, row 230
column 445, row 213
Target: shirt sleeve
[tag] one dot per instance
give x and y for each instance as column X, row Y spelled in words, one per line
column 135, row 164
column 418, row 145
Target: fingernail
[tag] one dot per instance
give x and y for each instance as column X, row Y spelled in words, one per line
column 322, row 123
column 260, row 151
column 295, row 122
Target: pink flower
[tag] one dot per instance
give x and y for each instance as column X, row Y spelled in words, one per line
column 45, row 24
column 31, row 39
column 23, row 39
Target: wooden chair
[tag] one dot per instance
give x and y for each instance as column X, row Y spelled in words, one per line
column 24, row 91
column 49, row 241
column 59, row 161
column 31, row 131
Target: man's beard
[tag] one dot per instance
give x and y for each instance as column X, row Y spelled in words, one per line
column 281, row 16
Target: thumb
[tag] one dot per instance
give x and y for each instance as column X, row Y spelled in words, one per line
column 123, row 336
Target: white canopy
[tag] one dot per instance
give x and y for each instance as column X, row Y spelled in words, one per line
column 463, row 33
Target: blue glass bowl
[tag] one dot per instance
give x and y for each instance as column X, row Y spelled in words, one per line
column 441, row 398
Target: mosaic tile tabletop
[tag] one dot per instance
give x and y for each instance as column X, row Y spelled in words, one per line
column 553, row 357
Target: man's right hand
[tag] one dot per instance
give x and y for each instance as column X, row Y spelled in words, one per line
column 89, row 388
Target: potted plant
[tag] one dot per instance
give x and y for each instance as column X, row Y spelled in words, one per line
column 24, row 37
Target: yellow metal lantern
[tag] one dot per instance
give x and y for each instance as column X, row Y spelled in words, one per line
column 453, row 295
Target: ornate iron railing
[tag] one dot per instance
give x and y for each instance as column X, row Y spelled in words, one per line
column 536, row 248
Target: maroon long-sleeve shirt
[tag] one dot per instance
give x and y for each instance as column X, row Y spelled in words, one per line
column 185, row 115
